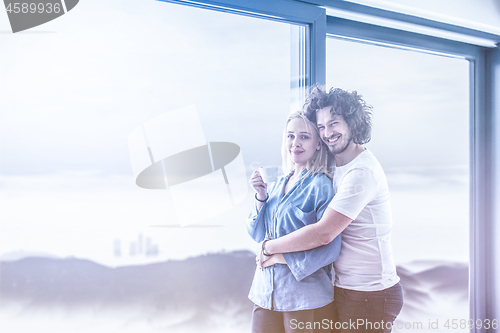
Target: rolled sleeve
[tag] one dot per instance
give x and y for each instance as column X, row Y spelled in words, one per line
column 256, row 224
column 304, row 263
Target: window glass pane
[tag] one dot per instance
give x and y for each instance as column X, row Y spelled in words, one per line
column 71, row 135
column 421, row 137
column 70, row 101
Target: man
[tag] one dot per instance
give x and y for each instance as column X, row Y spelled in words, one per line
column 368, row 296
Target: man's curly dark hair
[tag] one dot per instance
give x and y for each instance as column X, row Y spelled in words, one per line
column 349, row 105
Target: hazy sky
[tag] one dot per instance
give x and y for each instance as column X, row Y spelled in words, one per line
column 420, row 102
column 72, row 90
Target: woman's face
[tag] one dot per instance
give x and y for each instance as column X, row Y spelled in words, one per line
column 302, row 141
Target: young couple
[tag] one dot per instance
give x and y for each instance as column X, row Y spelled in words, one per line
column 306, row 223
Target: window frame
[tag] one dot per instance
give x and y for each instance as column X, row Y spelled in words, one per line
column 484, row 94
column 288, row 11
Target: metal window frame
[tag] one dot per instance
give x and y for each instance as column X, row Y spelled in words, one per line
column 384, row 14
column 289, row 11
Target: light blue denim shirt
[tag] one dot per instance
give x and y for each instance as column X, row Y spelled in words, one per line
column 306, row 281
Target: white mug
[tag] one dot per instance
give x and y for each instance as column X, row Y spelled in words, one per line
column 269, row 174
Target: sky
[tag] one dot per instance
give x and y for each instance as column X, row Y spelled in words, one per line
column 73, row 89
column 72, row 92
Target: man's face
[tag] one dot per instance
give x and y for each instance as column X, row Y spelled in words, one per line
column 333, row 130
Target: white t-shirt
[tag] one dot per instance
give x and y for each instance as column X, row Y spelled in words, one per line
column 361, row 193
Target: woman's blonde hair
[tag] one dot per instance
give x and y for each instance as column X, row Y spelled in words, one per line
column 318, row 163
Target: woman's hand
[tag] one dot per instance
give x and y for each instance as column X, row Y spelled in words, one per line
column 258, row 185
column 264, row 261
column 260, row 257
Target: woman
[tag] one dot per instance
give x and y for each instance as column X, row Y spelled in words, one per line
column 295, row 292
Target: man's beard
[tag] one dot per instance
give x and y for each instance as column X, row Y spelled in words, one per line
column 341, row 149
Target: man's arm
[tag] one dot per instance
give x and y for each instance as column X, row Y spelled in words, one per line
column 357, row 189
column 311, row 236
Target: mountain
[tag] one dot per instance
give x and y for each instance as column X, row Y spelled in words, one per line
column 433, row 289
column 18, row 255
column 195, row 283
column 191, row 295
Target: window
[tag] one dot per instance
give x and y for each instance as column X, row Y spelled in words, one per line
column 421, row 138
column 482, row 58
column 67, row 184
